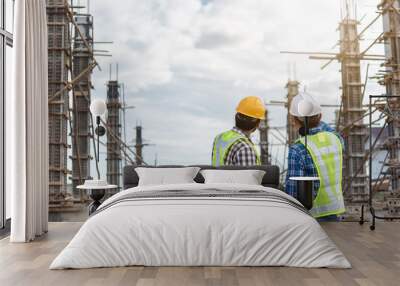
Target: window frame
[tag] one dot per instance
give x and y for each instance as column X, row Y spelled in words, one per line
column 6, row 39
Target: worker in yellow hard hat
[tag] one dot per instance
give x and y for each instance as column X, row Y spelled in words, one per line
column 234, row 147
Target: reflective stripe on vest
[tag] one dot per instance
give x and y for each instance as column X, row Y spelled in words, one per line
column 326, row 152
column 222, row 144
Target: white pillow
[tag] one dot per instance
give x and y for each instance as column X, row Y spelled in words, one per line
column 166, row 176
column 248, row 177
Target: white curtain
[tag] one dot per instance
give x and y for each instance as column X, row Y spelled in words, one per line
column 27, row 124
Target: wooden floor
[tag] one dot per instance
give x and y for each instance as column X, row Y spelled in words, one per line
column 375, row 257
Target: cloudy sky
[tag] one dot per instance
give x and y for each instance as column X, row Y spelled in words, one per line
column 187, row 63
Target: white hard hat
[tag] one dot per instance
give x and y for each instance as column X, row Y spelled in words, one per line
column 304, row 103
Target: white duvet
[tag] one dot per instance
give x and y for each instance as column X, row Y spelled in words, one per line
column 200, row 231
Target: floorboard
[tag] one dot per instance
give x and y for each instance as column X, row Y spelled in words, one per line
column 375, row 256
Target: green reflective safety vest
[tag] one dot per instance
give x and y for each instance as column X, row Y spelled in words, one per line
column 326, row 152
column 222, row 144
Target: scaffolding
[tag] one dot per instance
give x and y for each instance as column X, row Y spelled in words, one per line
column 391, row 37
column 59, row 53
column 80, row 122
column 350, row 117
column 114, row 125
column 264, row 146
column 139, row 146
column 351, row 114
column 292, row 87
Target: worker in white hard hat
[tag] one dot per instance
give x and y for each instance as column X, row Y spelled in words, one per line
column 321, row 158
column 234, row 147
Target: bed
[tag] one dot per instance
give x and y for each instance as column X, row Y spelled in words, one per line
column 201, row 225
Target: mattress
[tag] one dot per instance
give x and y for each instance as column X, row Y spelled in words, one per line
column 201, row 225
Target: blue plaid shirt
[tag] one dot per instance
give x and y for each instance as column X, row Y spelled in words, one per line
column 301, row 164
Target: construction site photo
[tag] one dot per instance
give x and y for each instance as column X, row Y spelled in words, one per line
column 362, row 65
column 187, row 139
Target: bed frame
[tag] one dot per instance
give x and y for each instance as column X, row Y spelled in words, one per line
column 270, row 179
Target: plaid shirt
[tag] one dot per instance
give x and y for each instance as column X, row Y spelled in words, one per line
column 240, row 153
column 301, row 164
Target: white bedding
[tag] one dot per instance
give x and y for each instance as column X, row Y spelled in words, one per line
column 191, row 231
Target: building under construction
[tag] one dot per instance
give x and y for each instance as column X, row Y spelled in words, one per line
column 391, row 80
column 351, row 115
column 139, row 144
column 59, row 63
column 70, row 62
column 350, row 118
column 264, row 140
column 113, row 133
column 81, row 118
column 292, row 88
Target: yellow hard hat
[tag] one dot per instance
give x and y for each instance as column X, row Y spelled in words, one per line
column 252, row 106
